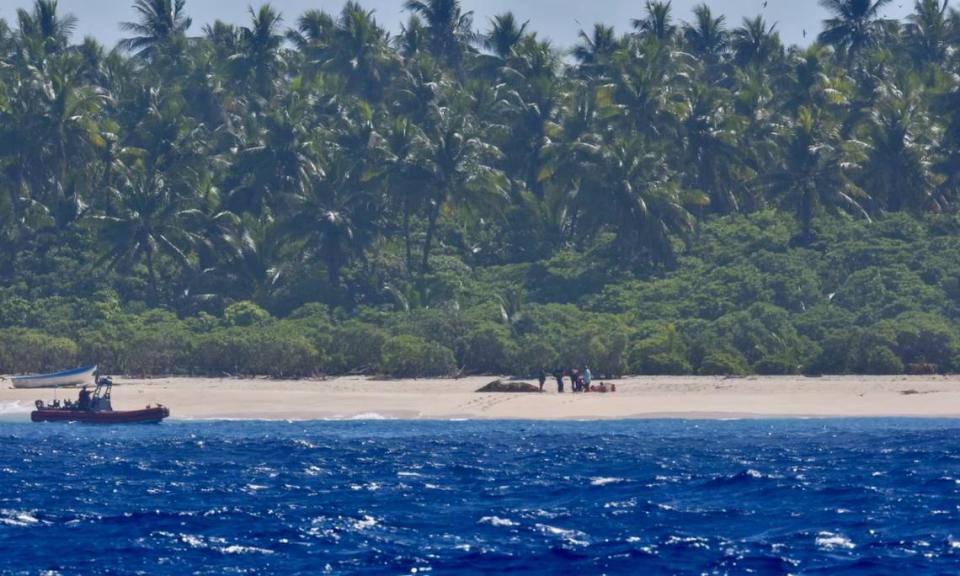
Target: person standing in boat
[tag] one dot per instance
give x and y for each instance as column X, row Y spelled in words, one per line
column 84, row 398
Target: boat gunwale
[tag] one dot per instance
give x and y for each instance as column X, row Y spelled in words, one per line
column 61, row 374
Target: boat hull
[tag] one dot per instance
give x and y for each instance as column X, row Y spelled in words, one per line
column 145, row 416
column 65, row 379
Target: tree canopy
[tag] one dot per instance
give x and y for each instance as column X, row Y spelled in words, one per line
column 684, row 194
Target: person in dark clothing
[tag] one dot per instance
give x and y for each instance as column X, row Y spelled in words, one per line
column 558, row 374
column 84, row 398
column 575, row 380
column 542, row 378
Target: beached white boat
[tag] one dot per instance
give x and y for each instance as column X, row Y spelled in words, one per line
column 64, row 379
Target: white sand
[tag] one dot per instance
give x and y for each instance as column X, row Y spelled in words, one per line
column 644, row 397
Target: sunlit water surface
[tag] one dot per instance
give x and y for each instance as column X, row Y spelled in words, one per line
column 860, row 496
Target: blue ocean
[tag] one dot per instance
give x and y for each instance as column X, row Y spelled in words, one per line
column 391, row 497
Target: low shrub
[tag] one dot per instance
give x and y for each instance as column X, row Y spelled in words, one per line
column 723, row 364
column 412, row 356
column 26, row 351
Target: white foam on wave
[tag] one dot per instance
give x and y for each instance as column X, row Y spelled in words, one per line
column 17, row 518
column 691, row 541
column 575, row 537
column 369, row 416
column 955, row 544
column 235, row 549
column 216, row 544
column 603, row 481
column 831, row 541
column 14, row 407
column 497, row 521
column 364, row 523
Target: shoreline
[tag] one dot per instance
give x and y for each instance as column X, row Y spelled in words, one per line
column 637, row 398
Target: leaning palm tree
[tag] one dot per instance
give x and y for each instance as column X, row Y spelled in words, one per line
column 160, row 21
column 449, row 28
column 854, row 25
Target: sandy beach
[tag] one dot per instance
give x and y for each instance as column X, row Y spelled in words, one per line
column 641, row 397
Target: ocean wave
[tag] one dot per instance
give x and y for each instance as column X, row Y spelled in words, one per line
column 497, row 521
column 604, row 480
column 15, row 407
column 483, row 497
column 569, row 535
column 831, row 541
column 18, row 518
column 369, row 416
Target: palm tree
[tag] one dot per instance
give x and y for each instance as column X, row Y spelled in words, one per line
column 147, row 225
column 260, row 57
column 459, row 171
column 898, row 169
column 254, row 265
column 448, row 28
column 595, row 50
column 55, row 123
column 413, row 38
column 814, row 174
column 855, row 25
column 504, row 35
column 710, row 131
column 280, row 160
column 360, row 52
column 632, row 191
column 160, row 23
column 407, row 175
column 658, row 23
column 707, row 37
column 334, row 219
column 45, row 26
column 929, row 31
column 756, row 43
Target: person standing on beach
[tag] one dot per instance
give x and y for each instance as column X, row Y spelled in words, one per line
column 542, row 377
column 558, row 374
column 587, row 379
column 575, row 381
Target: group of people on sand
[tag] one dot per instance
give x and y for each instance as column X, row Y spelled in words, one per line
column 579, row 381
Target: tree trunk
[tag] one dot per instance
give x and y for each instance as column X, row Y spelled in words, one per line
column 408, row 245
column 431, row 230
column 806, row 217
column 154, row 293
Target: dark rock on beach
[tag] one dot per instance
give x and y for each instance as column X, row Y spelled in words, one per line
column 510, row 387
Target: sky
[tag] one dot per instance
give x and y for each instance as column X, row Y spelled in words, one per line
column 559, row 20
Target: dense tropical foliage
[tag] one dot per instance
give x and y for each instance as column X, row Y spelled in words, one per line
column 312, row 194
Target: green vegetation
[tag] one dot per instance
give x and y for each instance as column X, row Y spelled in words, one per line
column 684, row 198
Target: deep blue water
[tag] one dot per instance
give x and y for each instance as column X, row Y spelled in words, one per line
column 644, row 497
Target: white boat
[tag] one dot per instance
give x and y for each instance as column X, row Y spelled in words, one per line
column 64, row 379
